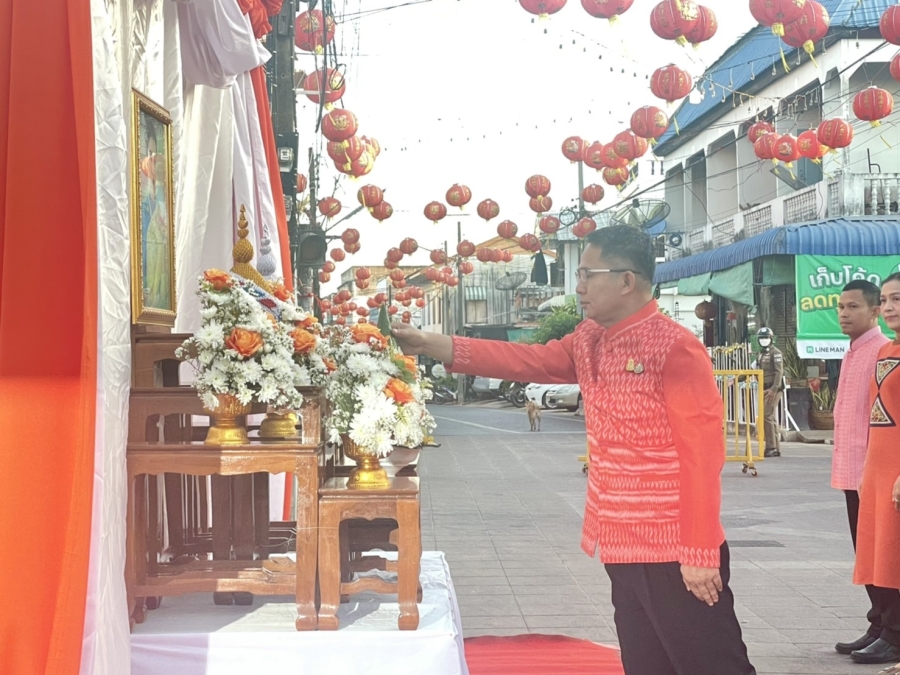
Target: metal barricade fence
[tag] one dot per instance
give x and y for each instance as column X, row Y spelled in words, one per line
column 742, row 407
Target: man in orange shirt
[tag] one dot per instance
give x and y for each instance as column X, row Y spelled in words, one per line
column 654, row 422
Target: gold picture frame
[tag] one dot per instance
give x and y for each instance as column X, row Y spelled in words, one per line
column 152, row 214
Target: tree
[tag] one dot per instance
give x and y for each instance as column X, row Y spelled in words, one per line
column 561, row 321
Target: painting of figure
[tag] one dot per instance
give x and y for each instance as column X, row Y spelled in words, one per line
column 153, row 264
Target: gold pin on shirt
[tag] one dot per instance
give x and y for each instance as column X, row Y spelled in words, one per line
column 630, row 367
column 634, row 367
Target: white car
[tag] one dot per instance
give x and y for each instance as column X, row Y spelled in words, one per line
column 566, row 396
column 537, row 393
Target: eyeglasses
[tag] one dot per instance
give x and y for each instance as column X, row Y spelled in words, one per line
column 584, row 273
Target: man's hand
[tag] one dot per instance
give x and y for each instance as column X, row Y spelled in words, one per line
column 704, row 582
column 412, row 341
column 769, row 395
column 896, row 495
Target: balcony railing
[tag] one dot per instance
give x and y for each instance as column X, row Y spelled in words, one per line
column 875, row 194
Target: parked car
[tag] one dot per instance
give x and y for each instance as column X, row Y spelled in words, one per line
column 566, row 396
column 486, row 385
column 537, row 393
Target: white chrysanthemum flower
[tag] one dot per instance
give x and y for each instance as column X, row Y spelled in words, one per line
column 210, row 335
column 208, row 313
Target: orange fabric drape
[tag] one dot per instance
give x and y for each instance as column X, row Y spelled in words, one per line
column 268, row 135
column 48, row 331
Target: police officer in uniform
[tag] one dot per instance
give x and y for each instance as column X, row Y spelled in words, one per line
column 771, row 362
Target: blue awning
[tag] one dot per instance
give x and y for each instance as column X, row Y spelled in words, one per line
column 840, row 236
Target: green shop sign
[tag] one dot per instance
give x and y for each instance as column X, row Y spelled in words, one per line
column 820, row 280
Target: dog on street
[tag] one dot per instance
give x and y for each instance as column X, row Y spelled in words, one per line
column 534, row 415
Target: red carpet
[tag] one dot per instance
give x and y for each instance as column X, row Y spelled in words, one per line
column 540, row 655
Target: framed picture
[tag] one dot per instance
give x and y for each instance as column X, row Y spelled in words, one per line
column 152, row 214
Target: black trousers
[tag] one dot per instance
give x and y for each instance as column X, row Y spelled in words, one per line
column 884, row 615
column 664, row 630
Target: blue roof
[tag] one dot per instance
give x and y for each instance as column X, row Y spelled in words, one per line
column 841, row 236
column 754, row 55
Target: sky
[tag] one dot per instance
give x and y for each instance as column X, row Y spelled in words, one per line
column 482, row 93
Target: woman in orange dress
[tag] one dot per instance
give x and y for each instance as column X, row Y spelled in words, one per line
column 878, row 535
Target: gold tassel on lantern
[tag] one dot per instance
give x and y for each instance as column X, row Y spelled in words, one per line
column 810, row 48
column 784, row 62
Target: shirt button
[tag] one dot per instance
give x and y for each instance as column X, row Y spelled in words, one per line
column 604, row 485
column 609, row 348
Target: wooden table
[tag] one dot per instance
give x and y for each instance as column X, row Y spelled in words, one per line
column 261, row 577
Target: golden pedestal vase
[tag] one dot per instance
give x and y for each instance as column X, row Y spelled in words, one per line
column 368, row 474
column 279, row 425
column 227, row 421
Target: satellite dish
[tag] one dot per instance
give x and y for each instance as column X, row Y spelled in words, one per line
column 642, row 213
column 510, row 281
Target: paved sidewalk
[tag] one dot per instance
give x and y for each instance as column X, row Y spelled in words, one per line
column 507, row 510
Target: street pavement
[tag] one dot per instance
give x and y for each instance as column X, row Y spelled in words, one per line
column 505, row 505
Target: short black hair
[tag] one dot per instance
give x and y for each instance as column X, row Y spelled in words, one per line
column 870, row 291
column 893, row 277
column 628, row 244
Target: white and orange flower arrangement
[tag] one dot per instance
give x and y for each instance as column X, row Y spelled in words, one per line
column 375, row 396
column 244, row 346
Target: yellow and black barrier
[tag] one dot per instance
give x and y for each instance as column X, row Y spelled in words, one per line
column 743, row 408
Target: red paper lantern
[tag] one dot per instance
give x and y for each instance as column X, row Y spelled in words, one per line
column 324, row 305
column 432, row 274
column 585, row 227
column 488, row 209
column 765, row 146
column 465, row 248
column 435, row 211
column 483, row 255
column 409, row 246
column 362, row 273
column 371, row 145
column 312, row 31
column 593, row 193
column 406, row 317
column 339, row 125
column 466, row 267
column 350, row 236
column 835, row 133
column 372, row 303
column 382, row 212
column 890, row 25
column 416, row 292
column 346, row 152
column 649, row 122
column 390, row 264
column 362, row 284
column 397, row 275
column 324, row 277
column 593, row 156
column 616, row 177
column 506, row 256
column 352, row 248
column 542, row 8
column 395, row 255
column 758, row 129
column 340, row 321
column 537, row 186
column 705, row 28
column 777, row 13
column 458, row 196
column 301, row 183
column 530, row 243
column 629, row 146
column 393, row 309
column 873, row 105
column 549, row 224
column 370, row 196
column 672, row 19
column 328, row 267
column 451, row 281
column 438, row 257
column 329, row 207
column 809, row 146
column 362, row 311
column 787, row 150
column 611, row 158
column 809, row 28
column 362, row 166
column 507, row 229
column 447, row 271
column 337, row 254
column 420, row 303
column 333, row 83
column 895, row 67
column 573, row 147
column 540, row 205
column 406, row 302
column 671, row 83
column 606, row 9
column 344, row 295
column 352, row 306
column 495, row 255
column 381, row 298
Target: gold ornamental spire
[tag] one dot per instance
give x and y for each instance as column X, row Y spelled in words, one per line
column 243, row 254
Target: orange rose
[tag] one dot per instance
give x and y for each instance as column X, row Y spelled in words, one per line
column 220, row 280
column 330, row 365
column 308, row 322
column 304, row 342
column 367, row 333
column 399, row 391
column 410, row 363
column 244, row 342
column 280, row 292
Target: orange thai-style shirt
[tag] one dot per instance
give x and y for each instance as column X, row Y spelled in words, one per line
column 654, row 423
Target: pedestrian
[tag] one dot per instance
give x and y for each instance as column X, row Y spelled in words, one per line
column 858, row 310
column 878, row 529
column 654, row 422
column 771, row 362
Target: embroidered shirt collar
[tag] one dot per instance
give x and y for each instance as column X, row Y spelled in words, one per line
column 647, row 311
column 865, row 337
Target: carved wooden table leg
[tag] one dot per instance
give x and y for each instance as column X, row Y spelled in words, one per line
column 243, row 534
column 408, row 564
column 221, row 528
column 307, row 475
column 329, row 565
